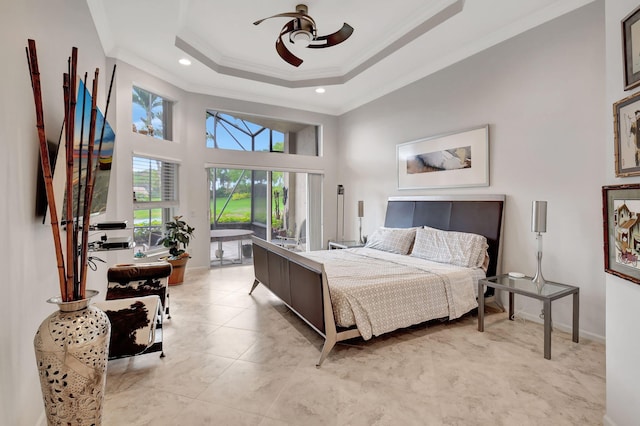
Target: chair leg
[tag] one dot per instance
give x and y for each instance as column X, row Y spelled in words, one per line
column 167, row 308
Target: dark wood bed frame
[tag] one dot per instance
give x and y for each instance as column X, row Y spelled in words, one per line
column 301, row 283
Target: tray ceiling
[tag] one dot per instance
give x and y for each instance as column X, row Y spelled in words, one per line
column 391, row 46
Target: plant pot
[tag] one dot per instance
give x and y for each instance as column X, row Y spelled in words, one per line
column 179, row 266
column 71, row 348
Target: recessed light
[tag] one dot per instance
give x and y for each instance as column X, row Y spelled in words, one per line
column 185, row 62
column 320, row 90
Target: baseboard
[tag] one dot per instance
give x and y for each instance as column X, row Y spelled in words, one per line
column 563, row 327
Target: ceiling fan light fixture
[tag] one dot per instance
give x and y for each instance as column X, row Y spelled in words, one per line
column 301, row 38
column 303, row 33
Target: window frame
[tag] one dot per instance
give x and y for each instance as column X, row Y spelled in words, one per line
column 169, row 205
column 166, row 117
column 219, row 116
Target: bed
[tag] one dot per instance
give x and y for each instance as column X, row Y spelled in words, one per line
column 365, row 292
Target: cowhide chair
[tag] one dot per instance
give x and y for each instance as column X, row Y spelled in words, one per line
column 136, row 303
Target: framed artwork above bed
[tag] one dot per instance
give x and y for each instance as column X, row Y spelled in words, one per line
column 457, row 159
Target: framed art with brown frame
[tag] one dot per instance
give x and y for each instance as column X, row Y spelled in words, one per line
column 621, row 224
column 626, row 117
column 631, row 49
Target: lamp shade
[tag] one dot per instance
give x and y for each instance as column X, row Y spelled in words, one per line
column 539, row 216
column 360, row 208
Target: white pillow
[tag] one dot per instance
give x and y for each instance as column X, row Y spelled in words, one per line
column 393, row 240
column 456, row 248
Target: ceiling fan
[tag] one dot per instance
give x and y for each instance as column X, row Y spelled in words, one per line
column 302, row 31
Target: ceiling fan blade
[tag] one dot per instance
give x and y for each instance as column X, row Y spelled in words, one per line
column 296, row 15
column 332, row 39
column 282, row 15
column 288, row 27
column 282, row 49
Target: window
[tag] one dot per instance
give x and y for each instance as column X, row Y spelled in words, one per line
column 155, row 198
column 225, row 131
column 151, row 114
column 242, row 132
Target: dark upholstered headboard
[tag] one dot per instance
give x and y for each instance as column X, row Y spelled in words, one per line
column 481, row 215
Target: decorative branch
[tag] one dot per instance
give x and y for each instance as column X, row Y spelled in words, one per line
column 88, row 193
column 106, row 110
column 91, row 181
column 32, row 59
column 76, row 224
column 69, row 133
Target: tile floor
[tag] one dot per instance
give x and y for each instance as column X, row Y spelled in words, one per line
column 235, row 359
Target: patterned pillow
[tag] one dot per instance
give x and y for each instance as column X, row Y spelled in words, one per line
column 456, row 248
column 393, row 240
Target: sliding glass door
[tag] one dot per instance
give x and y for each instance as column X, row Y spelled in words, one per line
column 274, row 205
column 289, row 209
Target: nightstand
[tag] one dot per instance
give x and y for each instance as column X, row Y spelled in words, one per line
column 547, row 292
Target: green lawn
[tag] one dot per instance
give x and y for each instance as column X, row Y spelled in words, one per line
column 141, row 216
column 237, row 211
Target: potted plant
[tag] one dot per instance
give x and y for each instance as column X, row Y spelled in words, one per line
column 177, row 238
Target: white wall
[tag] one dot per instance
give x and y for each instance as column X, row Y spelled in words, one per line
column 27, row 257
column 542, row 94
column 189, row 149
column 623, row 297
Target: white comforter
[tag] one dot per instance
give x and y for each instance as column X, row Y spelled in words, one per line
column 381, row 292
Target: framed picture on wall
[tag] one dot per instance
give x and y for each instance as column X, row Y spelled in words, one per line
column 621, row 223
column 455, row 159
column 631, row 49
column 626, row 116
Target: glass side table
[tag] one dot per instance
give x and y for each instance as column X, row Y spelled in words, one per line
column 548, row 292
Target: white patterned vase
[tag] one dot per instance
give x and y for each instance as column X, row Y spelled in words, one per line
column 72, row 346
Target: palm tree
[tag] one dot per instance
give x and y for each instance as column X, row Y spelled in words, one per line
column 149, row 102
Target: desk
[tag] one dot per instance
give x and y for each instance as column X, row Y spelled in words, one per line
column 221, row 235
column 548, row 292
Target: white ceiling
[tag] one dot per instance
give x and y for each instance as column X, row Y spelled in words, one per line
column 393, row 44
